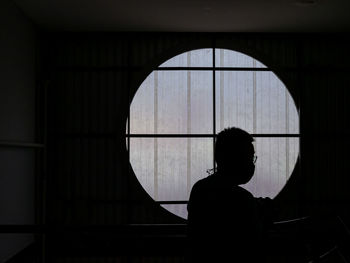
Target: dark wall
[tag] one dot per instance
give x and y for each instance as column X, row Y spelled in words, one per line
column 17, row 119
column 325, row 119
column 92, row 77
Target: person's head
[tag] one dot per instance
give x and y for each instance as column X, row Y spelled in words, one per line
column 235, row 155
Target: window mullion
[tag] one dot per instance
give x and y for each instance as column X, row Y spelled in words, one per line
column 214, row 106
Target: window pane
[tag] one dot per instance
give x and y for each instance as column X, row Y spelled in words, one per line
column 181, row 102
column 167, row 168
column 173, row 102
column 234, row 100
column 201, row 102
column 230, row 58
column 172, row 169
column 276, row 160
column 275, row 109
column 195, row 58
column 255, row 101
column 142, row 108
column 142, row 160
column 202, row 159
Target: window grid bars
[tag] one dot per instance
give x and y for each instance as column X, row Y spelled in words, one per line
column 213, row 135
column 214, row 68
column 214, row 105
column 209, row 135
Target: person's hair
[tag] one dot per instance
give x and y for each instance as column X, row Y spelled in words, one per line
column 230, row 142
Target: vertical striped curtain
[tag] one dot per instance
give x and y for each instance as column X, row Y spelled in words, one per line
column 174, row 114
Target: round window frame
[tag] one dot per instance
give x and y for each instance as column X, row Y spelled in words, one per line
column 280, row 72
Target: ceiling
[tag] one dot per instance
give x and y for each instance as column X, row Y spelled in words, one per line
column 190, row 15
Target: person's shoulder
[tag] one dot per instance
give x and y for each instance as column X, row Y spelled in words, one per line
column 206, row 182
column 203, row 186
column 243, row 192
column 198, row 193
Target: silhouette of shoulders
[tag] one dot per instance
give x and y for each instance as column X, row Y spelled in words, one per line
column 225, row 221
column 222, row 221
column 214, row 201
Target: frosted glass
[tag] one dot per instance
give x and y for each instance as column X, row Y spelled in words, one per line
column 167, row 168
column 255, row 101
column 172, row 169
column 201, row 102
column 177, row 102
column 234, row 100
column 181, row 102
column 142, row 160
column 202, row 159
column 230, row 58
column 275, row 109
column 276, row 160
column 142, row 108
column 195, row 58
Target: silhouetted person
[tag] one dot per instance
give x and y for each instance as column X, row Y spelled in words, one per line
column 225, row 222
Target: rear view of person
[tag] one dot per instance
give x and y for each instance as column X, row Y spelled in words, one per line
column 225, row 222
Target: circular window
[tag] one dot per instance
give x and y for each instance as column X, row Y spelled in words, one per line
column 181, row 106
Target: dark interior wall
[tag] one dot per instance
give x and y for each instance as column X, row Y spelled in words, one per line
column 93, row 76
column 17, row 120
column 88, row 96
column 325, row 95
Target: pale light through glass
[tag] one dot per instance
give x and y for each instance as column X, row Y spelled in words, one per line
column 181, row 102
